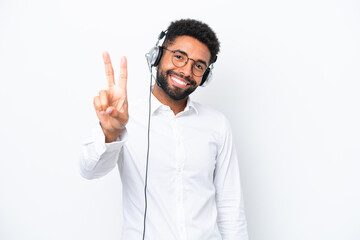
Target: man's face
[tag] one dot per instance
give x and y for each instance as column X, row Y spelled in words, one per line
column 177, row 82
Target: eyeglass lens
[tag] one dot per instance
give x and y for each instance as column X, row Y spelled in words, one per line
column 180, row 59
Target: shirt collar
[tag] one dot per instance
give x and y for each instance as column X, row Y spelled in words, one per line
column 156, row 106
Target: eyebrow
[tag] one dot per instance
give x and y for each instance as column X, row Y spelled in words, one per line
column 200, row 60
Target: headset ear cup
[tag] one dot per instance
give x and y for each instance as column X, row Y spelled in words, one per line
column 205, row 77
column 153, row 56
column 158, row 57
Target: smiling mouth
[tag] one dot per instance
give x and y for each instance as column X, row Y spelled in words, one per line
column 178, row 81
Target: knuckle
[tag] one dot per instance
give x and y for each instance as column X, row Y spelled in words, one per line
column 123, row 75
column 96, row 102
column 103, row 106
column 102, row 93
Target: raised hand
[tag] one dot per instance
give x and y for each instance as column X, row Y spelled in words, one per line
column 111, row 105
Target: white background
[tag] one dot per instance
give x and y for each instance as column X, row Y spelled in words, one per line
column 287, row 78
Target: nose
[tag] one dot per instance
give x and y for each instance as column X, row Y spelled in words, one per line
column 186, row 70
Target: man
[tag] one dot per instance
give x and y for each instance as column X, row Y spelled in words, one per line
column 193, row 186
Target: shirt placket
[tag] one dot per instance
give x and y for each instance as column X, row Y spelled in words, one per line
column 179, row 165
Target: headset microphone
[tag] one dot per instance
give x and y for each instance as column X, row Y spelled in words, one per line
column 158, row 83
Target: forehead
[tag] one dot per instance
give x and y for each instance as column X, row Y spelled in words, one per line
column 193, row 47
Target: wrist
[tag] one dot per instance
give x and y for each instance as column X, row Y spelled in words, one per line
column 111, row 135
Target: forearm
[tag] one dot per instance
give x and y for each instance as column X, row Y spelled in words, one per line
column 231, row 216
column 97, row 157
column 229, row 199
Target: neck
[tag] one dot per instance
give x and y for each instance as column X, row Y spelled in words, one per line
column 175, row 105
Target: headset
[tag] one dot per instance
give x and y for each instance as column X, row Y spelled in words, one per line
column 153, row 58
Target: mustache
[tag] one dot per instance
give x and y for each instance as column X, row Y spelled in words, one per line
column 190, row 81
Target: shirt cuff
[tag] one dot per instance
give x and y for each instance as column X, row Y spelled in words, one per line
column 97, row 139
column 117, row 143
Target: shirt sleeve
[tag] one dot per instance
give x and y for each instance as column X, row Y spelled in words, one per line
column 229, row 199
column 97, row 157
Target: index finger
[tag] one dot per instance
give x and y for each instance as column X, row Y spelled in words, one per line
column 108, row 69
column 123, row 73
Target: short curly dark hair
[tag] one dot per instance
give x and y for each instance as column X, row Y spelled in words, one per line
column 195, row 29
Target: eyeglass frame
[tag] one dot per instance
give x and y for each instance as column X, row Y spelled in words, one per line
column 192, row 66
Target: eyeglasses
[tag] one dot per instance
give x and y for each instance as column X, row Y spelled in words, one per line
column 180, row 59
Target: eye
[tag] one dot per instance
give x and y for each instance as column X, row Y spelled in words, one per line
column 178, row 56
column 200, row 66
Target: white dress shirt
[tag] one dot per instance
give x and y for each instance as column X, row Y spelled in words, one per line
column 193, row 191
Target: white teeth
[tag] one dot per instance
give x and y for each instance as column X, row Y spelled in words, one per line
column 178, row 81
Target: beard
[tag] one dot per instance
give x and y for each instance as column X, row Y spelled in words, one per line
column 174, row 92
